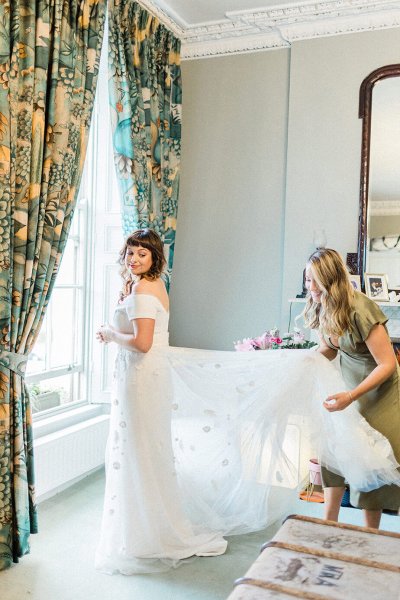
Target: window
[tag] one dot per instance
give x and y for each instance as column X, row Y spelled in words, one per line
column 66, row 366
column 56, row 366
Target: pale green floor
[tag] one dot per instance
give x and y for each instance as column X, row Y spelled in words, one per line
column 60, row 566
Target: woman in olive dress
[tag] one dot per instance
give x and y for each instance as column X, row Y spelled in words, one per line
column 353, row 326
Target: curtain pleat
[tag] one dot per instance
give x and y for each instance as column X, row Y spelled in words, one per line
column 146, row 104
column 49, row 60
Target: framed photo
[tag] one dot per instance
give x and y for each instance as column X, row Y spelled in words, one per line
column 376, row 287
column 355, row 282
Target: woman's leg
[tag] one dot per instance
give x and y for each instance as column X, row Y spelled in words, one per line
column 334, row 488
column 333, row 499
column 372, row 518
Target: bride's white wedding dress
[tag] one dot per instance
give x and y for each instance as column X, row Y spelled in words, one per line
column 205, row 443
column 144, row 526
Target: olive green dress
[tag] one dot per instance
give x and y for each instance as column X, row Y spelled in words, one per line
column 380, row 407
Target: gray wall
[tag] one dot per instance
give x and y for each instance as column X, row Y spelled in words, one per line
column 324, row 143
column 228, row 254
column 247, row 210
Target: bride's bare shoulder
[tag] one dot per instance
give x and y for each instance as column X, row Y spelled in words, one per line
column 137, row 287
column 155, row 288
column 143, row 286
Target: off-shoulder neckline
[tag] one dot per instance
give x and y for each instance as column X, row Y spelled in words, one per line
column 152, row 296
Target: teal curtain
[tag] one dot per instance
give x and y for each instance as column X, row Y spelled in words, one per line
column 146, row 102
column 49, row 58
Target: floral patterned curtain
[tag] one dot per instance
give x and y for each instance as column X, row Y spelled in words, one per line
column 49, row 55
column 146, row 101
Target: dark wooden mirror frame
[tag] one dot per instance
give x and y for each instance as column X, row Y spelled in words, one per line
column 364, row 113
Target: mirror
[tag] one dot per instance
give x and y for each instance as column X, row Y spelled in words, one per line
column 379, row 217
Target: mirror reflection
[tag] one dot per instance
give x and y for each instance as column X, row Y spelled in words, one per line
column 383, row 217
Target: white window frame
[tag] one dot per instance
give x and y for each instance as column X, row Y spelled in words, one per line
column 99, row 199
column 86, row 210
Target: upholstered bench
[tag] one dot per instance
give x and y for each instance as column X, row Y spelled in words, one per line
column 320, row 560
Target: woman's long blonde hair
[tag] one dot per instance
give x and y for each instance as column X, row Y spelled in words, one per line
column 332, row 314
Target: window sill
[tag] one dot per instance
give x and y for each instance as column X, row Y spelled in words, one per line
column 60, row 421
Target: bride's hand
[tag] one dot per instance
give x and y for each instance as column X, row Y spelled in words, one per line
column 338, row 401
column 105, row 334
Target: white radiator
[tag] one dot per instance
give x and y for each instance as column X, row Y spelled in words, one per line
column 66, row 456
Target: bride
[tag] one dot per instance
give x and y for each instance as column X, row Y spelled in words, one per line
column 144, row 526
column 207, row 443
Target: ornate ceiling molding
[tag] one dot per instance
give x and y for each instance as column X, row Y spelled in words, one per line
column 276, row 26
column 232, row 44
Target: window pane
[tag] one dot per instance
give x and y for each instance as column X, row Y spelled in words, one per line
column 63, row 316
column 37, row 358
column 75, row 223
column 66, row 274
column 51, row 393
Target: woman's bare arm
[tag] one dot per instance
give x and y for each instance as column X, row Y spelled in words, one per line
column 141, row 340
column 323, row 348
column 378, row 343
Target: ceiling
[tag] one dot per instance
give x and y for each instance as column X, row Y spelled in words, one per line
column 220, row 27
column 194, row 12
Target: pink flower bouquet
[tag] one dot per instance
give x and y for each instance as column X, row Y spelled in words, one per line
column 270, row 340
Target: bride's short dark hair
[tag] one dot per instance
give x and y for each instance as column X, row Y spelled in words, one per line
column 149, row 239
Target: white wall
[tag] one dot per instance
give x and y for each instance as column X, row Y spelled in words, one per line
column 248, row 211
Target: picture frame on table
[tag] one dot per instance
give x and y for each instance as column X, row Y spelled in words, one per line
column 355, row 281
column 376, row 287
